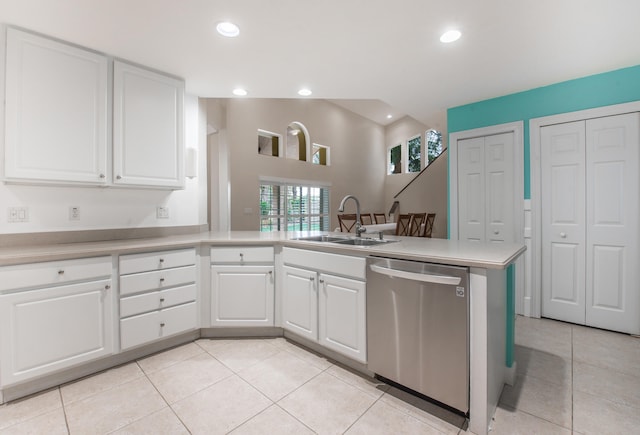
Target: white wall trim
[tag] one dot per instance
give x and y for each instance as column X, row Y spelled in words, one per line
column 535, row 124
column 293, row 181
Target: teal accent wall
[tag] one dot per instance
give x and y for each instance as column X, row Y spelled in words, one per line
column 614, row 87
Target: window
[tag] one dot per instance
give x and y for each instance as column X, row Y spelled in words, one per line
column 434, row 144
column 394, row 163
column 293, row 207
column 414, row 160
column 320, row 155
column 269, row 143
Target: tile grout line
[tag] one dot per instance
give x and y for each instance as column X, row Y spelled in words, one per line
column 64, row 410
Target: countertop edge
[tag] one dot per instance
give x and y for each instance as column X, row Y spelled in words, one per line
column 58, row 252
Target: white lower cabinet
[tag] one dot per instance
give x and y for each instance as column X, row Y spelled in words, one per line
column 242, row 286
column 158, row 294
column 58, row 324
column 325, row 307
column 341, row 315
column 300, row 302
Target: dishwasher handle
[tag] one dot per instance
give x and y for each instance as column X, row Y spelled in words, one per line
column 424, row 277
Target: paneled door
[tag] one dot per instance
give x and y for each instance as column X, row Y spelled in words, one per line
column 590, row 209
column 486, row 188
column 613, row 156
column 563, row 222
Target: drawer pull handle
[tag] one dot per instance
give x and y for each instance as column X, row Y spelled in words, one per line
column 161, row 279
column 161, row 299
column 61, row 272
column 162, row 325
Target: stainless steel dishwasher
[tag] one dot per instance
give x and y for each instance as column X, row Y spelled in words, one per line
column 418, row 327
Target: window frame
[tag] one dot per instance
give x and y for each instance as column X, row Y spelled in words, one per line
column 388, row 169
column 406, row 161
column 305, row 219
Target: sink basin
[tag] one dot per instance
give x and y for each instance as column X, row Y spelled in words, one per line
column 324, row 238
column 356, row 241
column 363, row 242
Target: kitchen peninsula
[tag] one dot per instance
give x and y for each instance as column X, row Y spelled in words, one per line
column 124, row 272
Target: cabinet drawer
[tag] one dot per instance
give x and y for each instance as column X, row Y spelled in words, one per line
column 144, row 328
column 54, row 272
column 239, row 254
column 134, row 263
column 343, row 265
column 157, row 280
column 156, row 300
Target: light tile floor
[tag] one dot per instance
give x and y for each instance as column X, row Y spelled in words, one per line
column 570, row 379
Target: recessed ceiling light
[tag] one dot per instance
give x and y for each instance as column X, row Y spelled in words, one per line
column 389, row 116
column 450, row 36
column 240, row 92
column 228, row 29
column 304, row 92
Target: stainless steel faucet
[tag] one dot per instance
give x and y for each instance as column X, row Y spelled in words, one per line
column 359, row 228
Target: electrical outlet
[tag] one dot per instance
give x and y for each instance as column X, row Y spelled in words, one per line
column 74, row 213
column 18, row 214
column 162, row 212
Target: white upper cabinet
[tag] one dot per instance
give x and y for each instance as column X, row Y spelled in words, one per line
column 147, row 128
column 56, row 111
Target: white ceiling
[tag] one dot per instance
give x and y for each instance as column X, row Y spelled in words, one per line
column 353, row 49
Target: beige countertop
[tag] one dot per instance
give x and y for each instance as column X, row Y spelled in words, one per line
column 483, row 255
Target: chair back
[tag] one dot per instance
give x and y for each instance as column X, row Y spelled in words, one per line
column 415, row 229
column 380, row 218
column 428, row 225
column 403, row 224
column 365, row 219
column 347, row 222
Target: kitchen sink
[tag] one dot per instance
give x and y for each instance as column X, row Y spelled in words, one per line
column 356, row 241
column 324, row 238
column 363, row 242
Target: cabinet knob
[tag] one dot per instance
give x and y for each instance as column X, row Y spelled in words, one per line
column 102, row 175
column 496, row 232
column 118, row 177
column 107, row 287
column 271, row 272
column 241, row 256
column 161, row 279
column 162, row 325
column 161, row 299
column 321, row 281
column 563, row 235
column 162, row 260
column 311, row 278
column 61, row 272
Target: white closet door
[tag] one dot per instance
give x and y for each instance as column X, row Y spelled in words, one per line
column 486, row 188
column 471, row 189
column 563, row 223
column 612, row 300
column 498, row 153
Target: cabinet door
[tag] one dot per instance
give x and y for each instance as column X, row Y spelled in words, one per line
column 147, row 128
column 342, row 316
column 242, row 295
column 56, row 111
column 54, row 328
column 300, row 302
